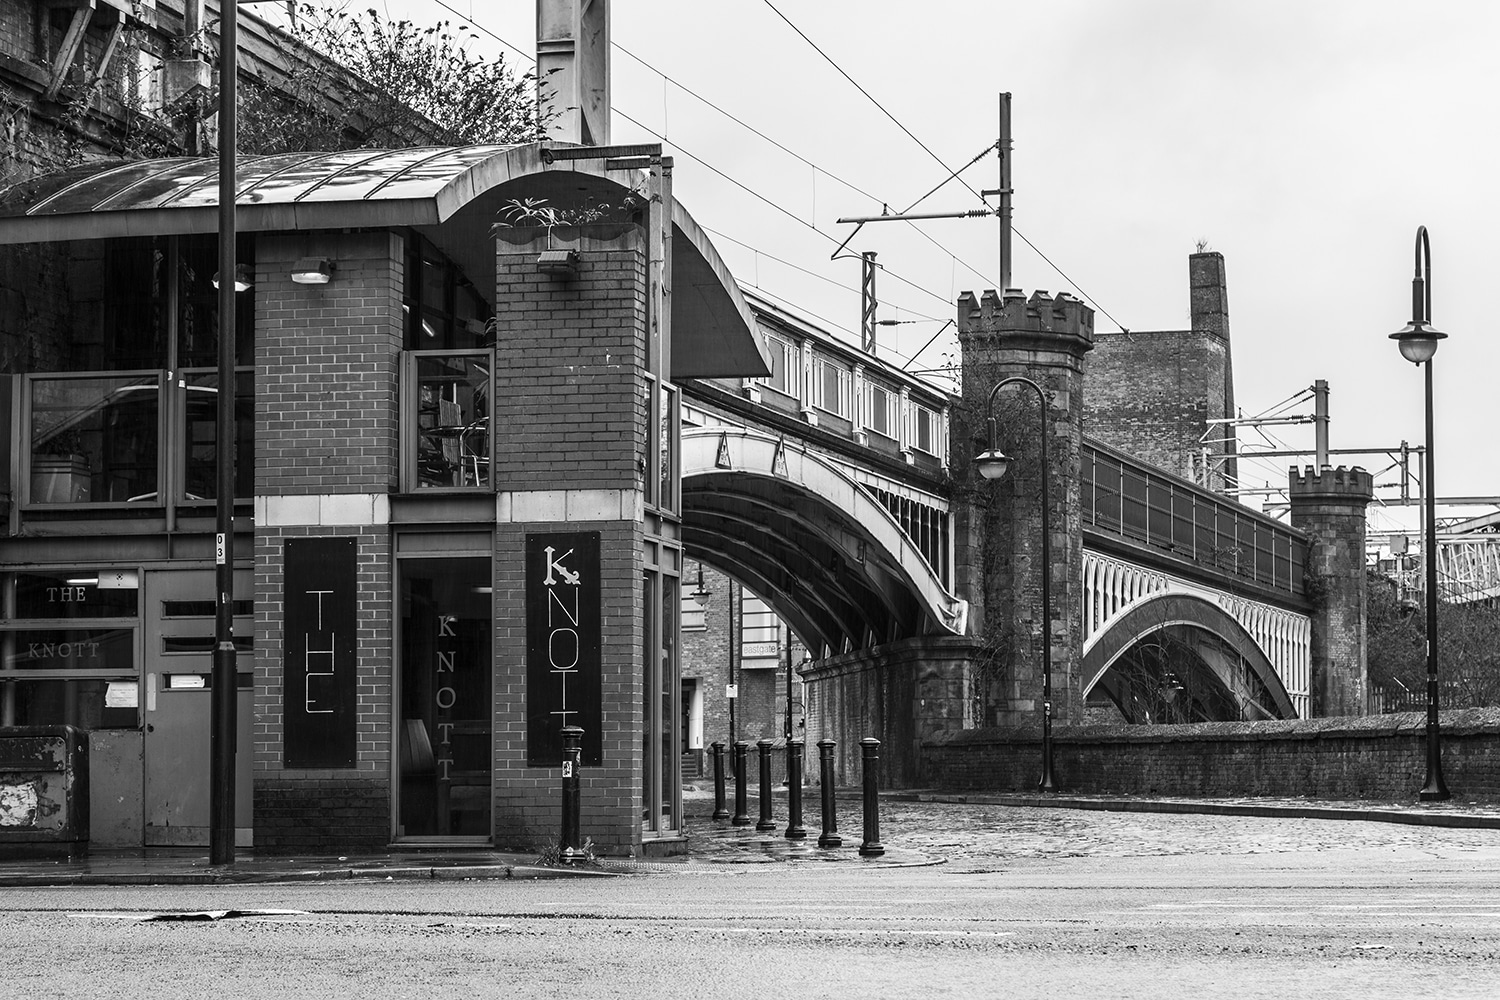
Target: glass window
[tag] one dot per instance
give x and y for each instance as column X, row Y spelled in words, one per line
column 881, row 409
column 80, row 593
column 88, row 703
column 199, row 444
column 72, row 649
column 924, row 433
column 444, row 311
column 69, row 664
column 94, row 439
column 448, row 431
column 668, row 435
column 670, row 689
column 649, row 778
column 831, row 387
column 445, row 709
column 198, row 304
column 783, row 377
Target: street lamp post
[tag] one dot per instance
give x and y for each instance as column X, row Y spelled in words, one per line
column 1418, row 342
column 225, row 694
column 993, row 464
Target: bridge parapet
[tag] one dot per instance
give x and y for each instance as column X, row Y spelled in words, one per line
column 1162, row 515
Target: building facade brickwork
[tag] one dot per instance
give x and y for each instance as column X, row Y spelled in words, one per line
column 1155, row 394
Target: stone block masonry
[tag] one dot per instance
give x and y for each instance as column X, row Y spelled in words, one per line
column 1329, row 504
column 998, row 530
column 1374, row 758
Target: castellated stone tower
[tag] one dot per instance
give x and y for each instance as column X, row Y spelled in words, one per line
column 998, row 531
column 1329, row 504
column 1154, row 393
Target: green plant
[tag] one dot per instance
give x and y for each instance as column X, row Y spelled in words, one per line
column 540, row 212
column 552, row 857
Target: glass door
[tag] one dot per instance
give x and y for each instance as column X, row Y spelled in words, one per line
column 444, row 713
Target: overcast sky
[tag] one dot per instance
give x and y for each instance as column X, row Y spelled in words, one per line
column 1306, row 141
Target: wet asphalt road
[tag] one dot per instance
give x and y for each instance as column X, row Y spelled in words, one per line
column 1030, row 903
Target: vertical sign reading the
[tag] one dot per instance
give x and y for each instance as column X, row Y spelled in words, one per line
column 564, row 669
column 318, row 650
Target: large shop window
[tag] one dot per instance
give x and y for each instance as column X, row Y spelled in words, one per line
column 67, row 649
column 447, row 419
column 445, row 710
column 119, row 414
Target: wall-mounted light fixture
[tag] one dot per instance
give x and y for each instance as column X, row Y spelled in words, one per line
column 558, row 263
column 312, row 271
column 242, row 281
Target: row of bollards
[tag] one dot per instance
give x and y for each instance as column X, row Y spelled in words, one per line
column 870, row 766
column 572, row 737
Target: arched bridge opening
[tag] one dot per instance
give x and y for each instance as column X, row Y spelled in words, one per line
column 1174, row 658
column 795, row 528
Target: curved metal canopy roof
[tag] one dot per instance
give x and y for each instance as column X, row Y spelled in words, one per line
column 450, row 193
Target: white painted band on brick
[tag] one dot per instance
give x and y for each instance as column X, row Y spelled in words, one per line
column 570, row 505
column 323, row 510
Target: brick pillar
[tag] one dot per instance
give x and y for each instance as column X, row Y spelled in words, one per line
column 326, row 360
column 998, row 530
column 570, row 406
column 1329, row 504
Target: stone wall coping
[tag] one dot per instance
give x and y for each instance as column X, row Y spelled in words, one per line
column 1456, row 723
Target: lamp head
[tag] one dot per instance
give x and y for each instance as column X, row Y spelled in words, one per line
column 242, row 279
column 1418, row 341
column 312, row 271
column 992, row 464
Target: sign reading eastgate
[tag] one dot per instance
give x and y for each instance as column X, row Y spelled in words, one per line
column 564, row 676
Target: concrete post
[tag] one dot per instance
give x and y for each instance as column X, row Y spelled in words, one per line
column 1329, row 504
column 998, row 528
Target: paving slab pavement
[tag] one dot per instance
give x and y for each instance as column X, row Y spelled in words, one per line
column 712, row 844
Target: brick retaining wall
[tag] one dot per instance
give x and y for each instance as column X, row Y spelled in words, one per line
column 1378, row 758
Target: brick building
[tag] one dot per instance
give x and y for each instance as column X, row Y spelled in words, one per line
column 1157, row 394
column 457, row 513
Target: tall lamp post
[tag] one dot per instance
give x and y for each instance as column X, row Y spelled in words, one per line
column 223, row 706
column 993, row 464
column 1418, row 342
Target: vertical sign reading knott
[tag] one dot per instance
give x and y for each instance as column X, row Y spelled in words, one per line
column 564, row 676
column 319, row 596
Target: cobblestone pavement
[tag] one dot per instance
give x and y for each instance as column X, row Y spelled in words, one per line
column 967, row 835
column 961, row 833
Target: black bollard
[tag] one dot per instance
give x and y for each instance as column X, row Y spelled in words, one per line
column 568, row 849
column 870, row 750
column 766, row 822
column 794, row 830
column 830, row 835
column 741, row 816
column 721, row 811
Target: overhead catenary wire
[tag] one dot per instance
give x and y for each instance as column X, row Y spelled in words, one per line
column 926, row 149
column 754, row 131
